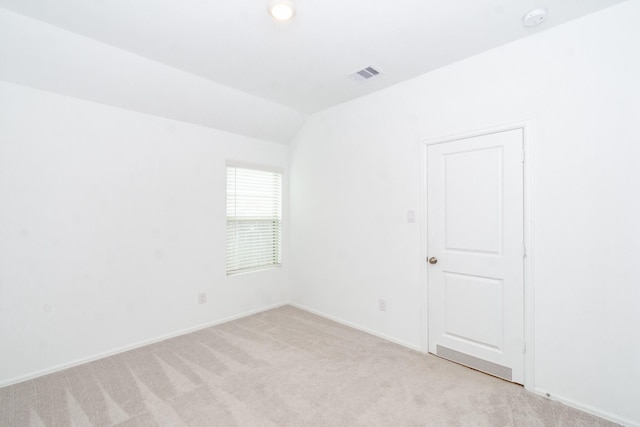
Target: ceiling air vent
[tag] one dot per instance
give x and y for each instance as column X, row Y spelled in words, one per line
column 364, row 74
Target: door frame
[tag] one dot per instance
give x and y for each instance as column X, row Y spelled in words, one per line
column 528, row 227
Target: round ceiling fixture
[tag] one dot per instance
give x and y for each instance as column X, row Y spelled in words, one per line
column 535, row 17
column 282, row 10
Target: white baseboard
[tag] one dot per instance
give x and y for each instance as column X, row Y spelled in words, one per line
column 569, row 402
column 358, row 327
column 586, row 408
column 139, row 344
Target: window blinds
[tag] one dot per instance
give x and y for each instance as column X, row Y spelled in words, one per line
column 254, row 216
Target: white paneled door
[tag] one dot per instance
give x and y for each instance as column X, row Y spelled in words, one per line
column 475, row 250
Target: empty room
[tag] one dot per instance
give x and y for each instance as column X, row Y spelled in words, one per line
column 319, row 213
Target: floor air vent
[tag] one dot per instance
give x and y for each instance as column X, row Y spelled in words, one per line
column 364, row 74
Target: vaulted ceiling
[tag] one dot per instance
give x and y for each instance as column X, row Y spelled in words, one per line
column 300, row 65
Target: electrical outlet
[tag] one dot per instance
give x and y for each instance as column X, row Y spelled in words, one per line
column 382, row 305
column 202, row 298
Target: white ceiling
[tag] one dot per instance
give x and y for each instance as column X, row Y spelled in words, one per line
column 302, row 64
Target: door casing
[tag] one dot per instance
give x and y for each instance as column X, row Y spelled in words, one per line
column 527, row 132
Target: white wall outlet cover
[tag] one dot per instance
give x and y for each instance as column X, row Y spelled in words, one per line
column 535, row 17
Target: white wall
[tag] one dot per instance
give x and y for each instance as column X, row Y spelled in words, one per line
column 111, row 223
column 355, row 171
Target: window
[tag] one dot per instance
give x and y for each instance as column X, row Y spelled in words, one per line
column 254, row 217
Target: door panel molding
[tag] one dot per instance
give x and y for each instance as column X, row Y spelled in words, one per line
column 527, row 127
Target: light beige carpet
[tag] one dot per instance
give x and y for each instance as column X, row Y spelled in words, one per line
column 283, row 367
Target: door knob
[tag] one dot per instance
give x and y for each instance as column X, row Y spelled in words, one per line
column 433, row 260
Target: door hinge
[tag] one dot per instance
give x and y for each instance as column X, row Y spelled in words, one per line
column 524, row 251
column 524, row 346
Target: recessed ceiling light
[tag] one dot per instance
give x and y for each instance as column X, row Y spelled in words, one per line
column 282, row 10
column 535, row 17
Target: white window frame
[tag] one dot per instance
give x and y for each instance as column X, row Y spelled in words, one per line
column 254, row 226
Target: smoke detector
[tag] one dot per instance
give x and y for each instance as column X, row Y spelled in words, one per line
column 535, row 17
column 364, row 74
